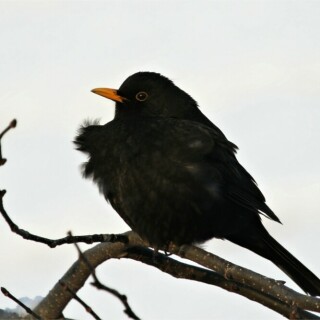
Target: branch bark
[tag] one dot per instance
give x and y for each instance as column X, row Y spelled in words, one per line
column 279, row 298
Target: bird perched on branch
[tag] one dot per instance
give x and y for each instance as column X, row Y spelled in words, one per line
column 173, row 176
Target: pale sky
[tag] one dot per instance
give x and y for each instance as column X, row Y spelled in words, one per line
column 253, row 67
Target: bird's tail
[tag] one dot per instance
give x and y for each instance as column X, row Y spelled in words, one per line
column 267, row 247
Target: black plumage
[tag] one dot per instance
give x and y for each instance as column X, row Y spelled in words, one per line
column 172, row 175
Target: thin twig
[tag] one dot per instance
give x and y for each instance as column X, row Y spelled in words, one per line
column 11, row 125
column 52, row 243
column 77, row 298
column 27, row 309
column 99, row 285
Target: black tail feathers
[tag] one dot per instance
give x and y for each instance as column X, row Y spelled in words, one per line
column 267, row 247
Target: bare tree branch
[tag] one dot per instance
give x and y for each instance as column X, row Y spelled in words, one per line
column 57, row 242
column 181, row 270
column 79, row 272
column 250, row 278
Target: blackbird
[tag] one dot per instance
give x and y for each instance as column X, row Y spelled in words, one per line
column 173, row 176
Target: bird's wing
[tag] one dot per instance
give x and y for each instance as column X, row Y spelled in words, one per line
column 210, row 159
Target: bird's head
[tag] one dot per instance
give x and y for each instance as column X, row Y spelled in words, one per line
column 149, row 94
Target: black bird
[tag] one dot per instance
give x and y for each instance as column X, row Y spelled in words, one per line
column 173, row 177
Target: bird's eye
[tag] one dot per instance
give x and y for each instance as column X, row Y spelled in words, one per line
column 141, row 96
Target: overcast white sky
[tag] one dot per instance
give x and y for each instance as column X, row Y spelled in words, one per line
column 253, row 67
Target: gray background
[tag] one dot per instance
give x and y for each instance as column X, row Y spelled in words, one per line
column 253, row 67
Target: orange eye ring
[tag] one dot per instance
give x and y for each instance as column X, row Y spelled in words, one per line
column 141, row 96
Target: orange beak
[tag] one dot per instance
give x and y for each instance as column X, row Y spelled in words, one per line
column 111, row 94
